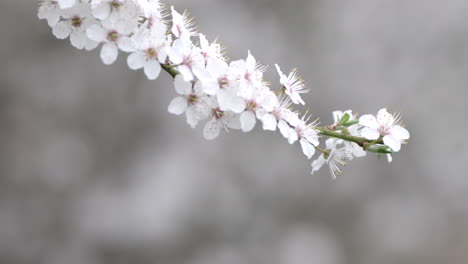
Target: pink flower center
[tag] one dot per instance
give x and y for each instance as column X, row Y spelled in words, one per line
column 76, row 21
column 384, row 130
column 113, row 36
column 187, row 61
column 251, row 105
column 192, row 99
column 151, row 53
column 223, row 81
column 217, row 113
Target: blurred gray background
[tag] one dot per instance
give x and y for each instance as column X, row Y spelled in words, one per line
column 94, row 170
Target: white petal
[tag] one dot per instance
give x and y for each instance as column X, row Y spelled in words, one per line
column 102, row 11
column 136, row 60
column 229, row 101
column 278, row 69
column 399, row 132
column 186, row 72
column 152, row 69
column 251, row 62
column 217, row 67
column 232, row 121
column 178, row 105
column 126, row 44
column 211, row 129
column 357, row 150
column 293, row 137
column 210, row 87
column 284, row 128
column 368, row 121
column 192, row 116
column 90, row 44
column 389, row 158
column 182, row 87
column 311, row 136
column 61, row 30
column 248, row 121
column 392, row 142
column 383, row 117
column 269, row 122
column 96, row 33
column 78, row 40
column 307, row 148
column 66, row 3
column 318, row 163
column 370, row 133
column 109, row 53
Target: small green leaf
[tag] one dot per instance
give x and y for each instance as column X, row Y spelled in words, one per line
column 350, row 123
column 344, row 119
column 379, row 149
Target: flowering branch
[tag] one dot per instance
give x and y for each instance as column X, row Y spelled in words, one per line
column 226, row 95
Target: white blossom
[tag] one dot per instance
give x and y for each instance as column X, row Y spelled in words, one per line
column 181, row 24
column 74, row 22
column 187, row 58
column 386, row 126
column 334, row 157
column 219, row 120
column 51, row 11
column 293, row 85
column 151, row 50
column 113, row 40
column 191, row 101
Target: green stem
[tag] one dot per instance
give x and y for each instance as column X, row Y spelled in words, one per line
column 363, row 142
column 170, row 69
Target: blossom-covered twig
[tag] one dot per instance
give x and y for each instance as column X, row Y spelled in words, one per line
column 225, row 95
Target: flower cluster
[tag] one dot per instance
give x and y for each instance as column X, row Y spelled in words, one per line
column 224, row 95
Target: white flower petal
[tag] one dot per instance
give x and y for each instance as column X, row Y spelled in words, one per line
column 78, row 40
column 182, row 87
column 102, row 10
column 96, row 33
column 109, row 53
column 307, row 148
column 126, row 44
column 370, row 133
column 368, row 121
column 392, row 142
column 318, row 163
column 284, row 128
column 232, row 121
column 399, row 132
column 211, row 129
column 269, row 122
column 136, row 60
column 186, row 72
column 385, row 118
column 357, row 150
column 91, row 44
column 178, row 105
column 192, row 116
column 61, row 30
column 64, row 4
column 389, row 158
column 152, row 69
column 293, row 137
column 248, row 121
column 250, row 61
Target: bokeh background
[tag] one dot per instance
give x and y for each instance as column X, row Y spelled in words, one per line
column 94, row 170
